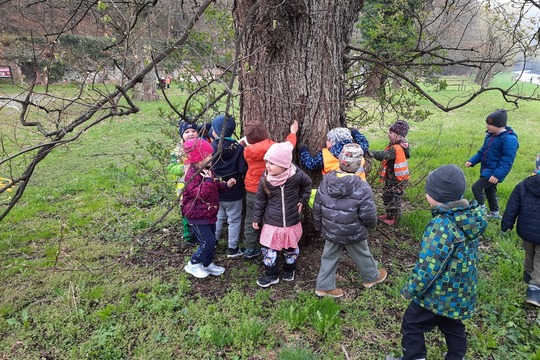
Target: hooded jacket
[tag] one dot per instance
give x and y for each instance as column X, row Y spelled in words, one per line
column 524, row 204
column 497, row 154
column 344, row 208
column 230, row 164
column 444, row 279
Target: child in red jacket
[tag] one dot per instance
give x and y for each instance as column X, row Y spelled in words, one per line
column 258, row 145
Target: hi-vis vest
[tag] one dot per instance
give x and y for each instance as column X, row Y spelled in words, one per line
column 401, row 166
column 330, row 162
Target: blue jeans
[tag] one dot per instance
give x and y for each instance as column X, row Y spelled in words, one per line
column 230, row 212
column 417, row 321
column 481, row 186
column 206, row 234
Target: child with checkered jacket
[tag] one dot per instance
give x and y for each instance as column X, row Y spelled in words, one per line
column 443, row 285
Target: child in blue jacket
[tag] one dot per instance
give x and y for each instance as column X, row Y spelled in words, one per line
column 496, row 157
column 524, row 205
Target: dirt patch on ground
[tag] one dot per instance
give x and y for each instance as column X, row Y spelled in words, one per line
column 167, row 253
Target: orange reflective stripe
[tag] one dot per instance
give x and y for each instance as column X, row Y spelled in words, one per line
column 401, row 165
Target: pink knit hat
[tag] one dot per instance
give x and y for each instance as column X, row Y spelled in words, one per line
column 280, row 154
column 197, row 150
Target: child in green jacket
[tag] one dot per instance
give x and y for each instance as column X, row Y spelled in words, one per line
column 443, row 284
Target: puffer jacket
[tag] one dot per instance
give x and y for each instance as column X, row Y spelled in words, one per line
column 344, row 208
column 497, row 154
column 444, row 279
column 277, row 205
column 254, row 155
column 524, row 204
column 200, row 201
column 230, row 164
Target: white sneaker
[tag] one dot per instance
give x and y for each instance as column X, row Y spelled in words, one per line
column 197, row 270
column 213, row 269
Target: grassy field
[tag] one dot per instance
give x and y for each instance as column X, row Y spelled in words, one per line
column 76, row 285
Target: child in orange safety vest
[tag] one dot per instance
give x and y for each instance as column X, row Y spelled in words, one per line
column 395, row 170
column 327, row 158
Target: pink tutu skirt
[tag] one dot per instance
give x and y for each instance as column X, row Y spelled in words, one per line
column 279, row 238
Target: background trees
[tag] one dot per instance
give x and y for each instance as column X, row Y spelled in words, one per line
column 295, row 60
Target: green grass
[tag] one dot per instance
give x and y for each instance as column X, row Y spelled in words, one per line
column 72, row 290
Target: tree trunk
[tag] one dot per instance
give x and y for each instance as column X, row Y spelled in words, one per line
column 292, row 64
column 293, row 68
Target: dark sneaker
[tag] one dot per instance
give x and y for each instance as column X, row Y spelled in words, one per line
column 234, row 253
column 380, row 279
column 336, row 293
column 533, row 295
column 288, row 276
column 267, row 280
column 192, row 241
column 252, row 253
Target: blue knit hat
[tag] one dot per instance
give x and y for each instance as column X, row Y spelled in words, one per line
column 184, row 125
column 230, row 125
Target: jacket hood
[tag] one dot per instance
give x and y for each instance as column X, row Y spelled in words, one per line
column 532, row 184
column 470, row 218
column 341, row 186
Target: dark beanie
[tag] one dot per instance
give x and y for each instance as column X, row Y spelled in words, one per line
column 217, row 125
column 400, row 127
column 497, row 118
column 184, row 125
column 446, row 183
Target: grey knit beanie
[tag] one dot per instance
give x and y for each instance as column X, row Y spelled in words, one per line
column 446, row 183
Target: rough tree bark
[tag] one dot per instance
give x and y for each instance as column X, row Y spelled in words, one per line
column 292, row 64
column 293, row 68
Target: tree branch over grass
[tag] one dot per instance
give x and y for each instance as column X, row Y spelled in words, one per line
column 97, row 111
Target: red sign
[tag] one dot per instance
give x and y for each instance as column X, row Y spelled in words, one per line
column 5, row 72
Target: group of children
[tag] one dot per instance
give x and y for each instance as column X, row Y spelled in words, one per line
column 443, row 283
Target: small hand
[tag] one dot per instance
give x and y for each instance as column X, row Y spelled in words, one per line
column 231, row 182
column 255, row 226
column 493, row 180
column 468, row 163
column 294, row 127
column 206, row 173
column 300, row 205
